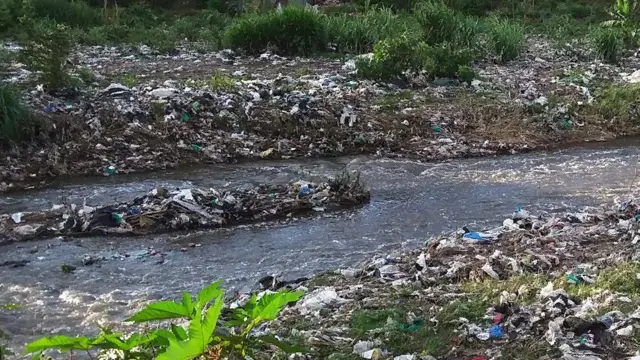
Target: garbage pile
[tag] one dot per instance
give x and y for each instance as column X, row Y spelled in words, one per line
column 164, row 210
column 553, row 286
column 141, row 111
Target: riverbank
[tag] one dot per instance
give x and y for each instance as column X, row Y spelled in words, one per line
column 195, row 108
column 552, row 286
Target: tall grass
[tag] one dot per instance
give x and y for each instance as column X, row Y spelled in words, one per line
column 293, row 31
column 506, row 38
column 358, row 34
column 16, row 124
column 75, row 13
column 439, row 22
column 608, row 43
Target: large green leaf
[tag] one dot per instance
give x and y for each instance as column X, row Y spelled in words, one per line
column 210, row 320
column 160, row 310
column 209, row 293
column 182, row 350
column 178, row 332
column 270, row 305
column 187, row 303
column 60, row 342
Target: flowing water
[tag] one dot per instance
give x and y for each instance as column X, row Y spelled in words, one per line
column 410, row 201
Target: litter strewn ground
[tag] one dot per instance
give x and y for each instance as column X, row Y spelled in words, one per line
column 164, row 210
column 140, row 112
column 553, row 286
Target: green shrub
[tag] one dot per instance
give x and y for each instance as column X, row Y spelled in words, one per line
column 46, row 52
column 395, row 5
column 15, row 121
column 75, row 13
column 465, row 74
column 444, row 60
column 187, row 28
column 391, row 58
column 139, row 15
column 9, row 11
column 506, row 38
column 607, row 43
column 439, row 22
column 293, row 31
column 357, row 34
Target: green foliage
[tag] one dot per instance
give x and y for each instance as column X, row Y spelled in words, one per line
column 624, row 17
column 293, row 31
column 358, row 34
column 129, row 80
column 506, row 38
column 439, row 22
column 16, row 123
column 221, row 82
column 465, row 74
column 608, row 43
column 46, row 52
column 75, row 13
column 199, row 338
column 229, row 7
column 444, row 60
column 391, row 58
column 617, row 100
column 396, row 5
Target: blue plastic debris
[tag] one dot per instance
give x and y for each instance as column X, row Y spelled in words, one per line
column 607, row 321
column 495, row 331
column 49, row 109
column 135, row 211
column 473, row 236
column 304, row 190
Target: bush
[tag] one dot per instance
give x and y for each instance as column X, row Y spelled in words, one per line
column 9, row 11
column 358, row 34
column 46, row 52
column 506, row 38
column 293, row 31
column 439, row 22
column 395, row 5
column 391, row 58
column 15, row 121
column 75, row 13
column 608, row 43
column 446, row 59
column 228, row 7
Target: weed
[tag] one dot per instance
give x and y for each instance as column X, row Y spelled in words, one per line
column 526, row 286
column 129, row 80
column 157, row 109
column 444, row 60
column 358, row 34
column 617, row 100
column 465, row 74
column 608, row 43
column 472, row 309
column 391, row 58
column 620, row 278
column 363, row 321
column 86, row 75
column 221, row 82
column 394, row 100
column 11, row 306
column 506, row 38
column 229, row 7
column 623, row 17
column 293, row 31
column 439, row 22
column 16, row 124
column 47, row 52
column 199, row 338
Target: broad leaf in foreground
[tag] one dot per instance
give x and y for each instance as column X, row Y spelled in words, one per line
column 160, row 310
column 60, row 342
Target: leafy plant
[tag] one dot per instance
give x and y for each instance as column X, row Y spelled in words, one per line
column 465, row 74
column 201, row 337
column 506, row 38
column 608, row 43
column 46, row 52
column 623, row 17
column 221, row 82
column 391, row 58
column 292, row 31
column 129, row 80
column 445, row 60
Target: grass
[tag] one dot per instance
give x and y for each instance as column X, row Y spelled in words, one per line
column 221, row 82
column 129, row 80
column 617, row 100
column 607, row 43
column 506, row 39
column 294, row 31
column 490, row 289
column 16, row 123
column 439, row 22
